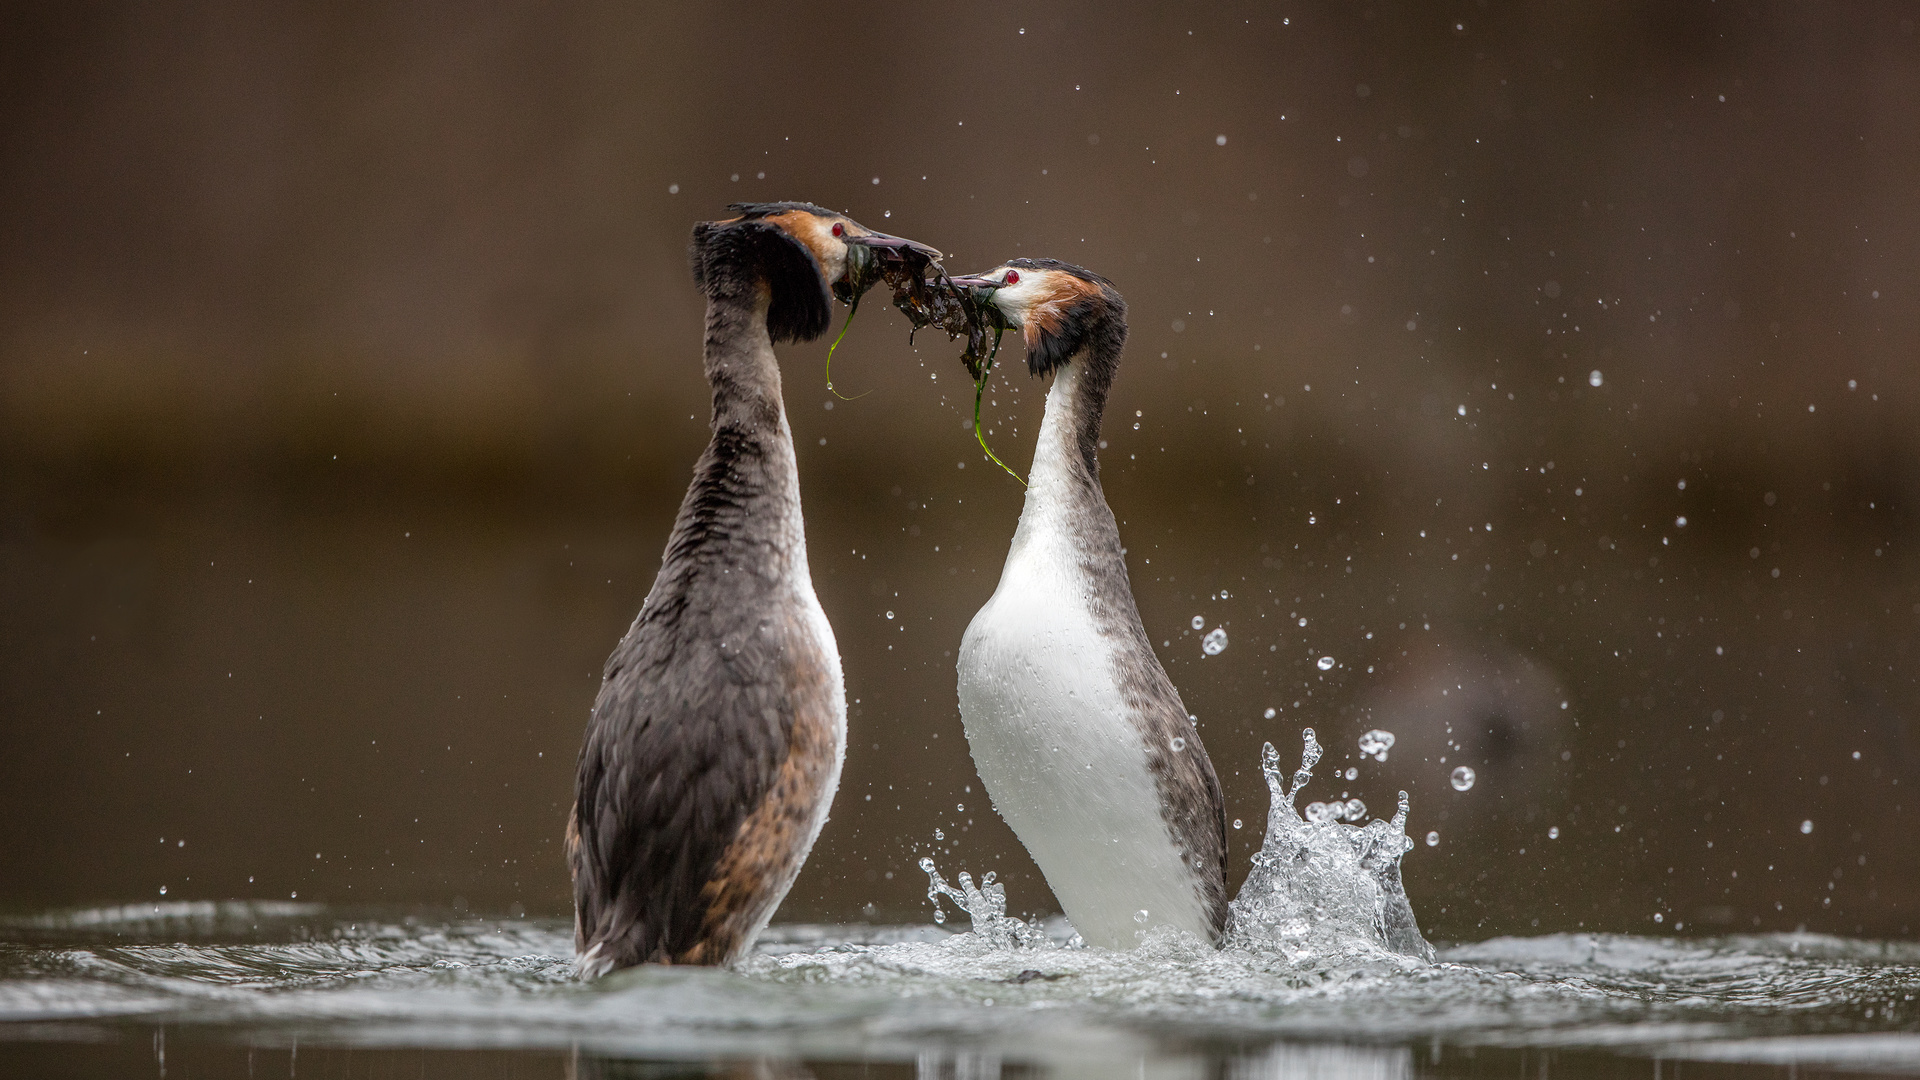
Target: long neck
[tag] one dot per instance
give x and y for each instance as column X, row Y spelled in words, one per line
column 742, row 510
column 1064, row 501
column 741, row 368
column 1066, row 465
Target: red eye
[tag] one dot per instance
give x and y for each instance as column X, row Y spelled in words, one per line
column 839, row 229
column 1012, row 278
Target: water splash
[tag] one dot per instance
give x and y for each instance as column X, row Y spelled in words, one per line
column 1322, row 894
column 1376, row 743
column 352, row 983
column 1351, row 810
column 1321, row 888
column 985, row 905
column 1215, row 642
column 1462, row 779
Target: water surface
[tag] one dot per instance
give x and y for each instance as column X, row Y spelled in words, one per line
column 197, row 988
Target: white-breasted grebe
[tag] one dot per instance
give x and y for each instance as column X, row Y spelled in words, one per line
column 1080, row 737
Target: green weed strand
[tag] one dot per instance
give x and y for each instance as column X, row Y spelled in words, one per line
column 844, row 327
column 979, row 391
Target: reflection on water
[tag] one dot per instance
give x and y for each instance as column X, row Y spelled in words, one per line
column 214, row 986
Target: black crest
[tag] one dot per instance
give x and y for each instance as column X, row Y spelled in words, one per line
column 754, row 211
column 732, row 257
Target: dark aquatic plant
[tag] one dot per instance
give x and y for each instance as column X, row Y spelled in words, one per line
column 926, row 294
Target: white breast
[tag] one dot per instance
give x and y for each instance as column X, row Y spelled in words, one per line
column 1054, row 742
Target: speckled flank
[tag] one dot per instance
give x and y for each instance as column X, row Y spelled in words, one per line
column 757, row 869
column 1190, row 797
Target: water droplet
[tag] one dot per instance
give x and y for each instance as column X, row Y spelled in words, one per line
column 163, row 890
column 1199, row 621
column 1433, row 839
column 938, row 835
column 1553, row 832
column 1353, row 774
column 1376, row 743
column 1270, row 713
column 1178, row 744
column 1215, row 642
column 1806, row 827
column 1356, row 810
column 1462, row 778
column 889, row 614
column 1236, row 823
column 1594, row 378
column 1303, row 620
column 1140, row 916
column 961, row 807
column 1326, row 663
column 1319, row 812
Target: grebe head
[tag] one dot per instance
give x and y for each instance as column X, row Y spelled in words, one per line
column 800, row 252
column 1057, row 307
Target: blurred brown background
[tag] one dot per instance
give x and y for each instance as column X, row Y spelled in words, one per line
column 349, row 381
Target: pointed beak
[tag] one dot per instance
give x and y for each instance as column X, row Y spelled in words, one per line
column 899, row 245
column 871, row 256
column 974, row 281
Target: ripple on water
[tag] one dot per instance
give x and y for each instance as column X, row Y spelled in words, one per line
column 1321, row 945
column 855, row 989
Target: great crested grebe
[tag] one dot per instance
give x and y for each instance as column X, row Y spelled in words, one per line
column 715, row 744
column 1078, row 734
